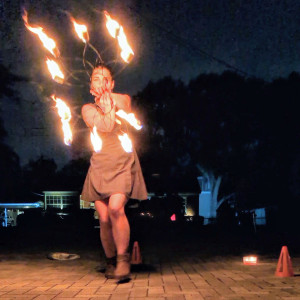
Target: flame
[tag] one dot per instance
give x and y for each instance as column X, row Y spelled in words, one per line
column 130, row 118
column 65, row 116
column 117, row 31
column 111, row 25
column 126, row 52
column 48, row 43
column 125, row 142
column 55, row 71
column 96, row 140
column 81, row 31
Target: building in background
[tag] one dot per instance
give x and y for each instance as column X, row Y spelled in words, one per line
column 61, row 199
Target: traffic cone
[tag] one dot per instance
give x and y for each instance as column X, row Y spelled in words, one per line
column 284, row 266
column 136, row 257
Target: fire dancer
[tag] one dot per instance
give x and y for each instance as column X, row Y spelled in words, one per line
column 114, row 175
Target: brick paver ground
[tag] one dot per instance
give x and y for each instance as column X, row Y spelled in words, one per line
column 174, row 276
column 181, row 261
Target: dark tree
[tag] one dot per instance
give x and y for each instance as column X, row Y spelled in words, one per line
column 10, row 171
column 40, row 175
column 71, row 176
column 163, row 106
column 242, row 134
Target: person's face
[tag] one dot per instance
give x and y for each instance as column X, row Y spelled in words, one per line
column 102, row 80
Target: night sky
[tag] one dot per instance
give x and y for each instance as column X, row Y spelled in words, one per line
column 170, row 38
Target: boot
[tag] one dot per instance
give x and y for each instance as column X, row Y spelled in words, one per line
column 122, row 271
column 110, row 267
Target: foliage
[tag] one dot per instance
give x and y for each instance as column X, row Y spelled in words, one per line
column 164, row 137
column 10, row 178
column 72, row 175
column 244, row 130
column 40, row 175
column 7, row 81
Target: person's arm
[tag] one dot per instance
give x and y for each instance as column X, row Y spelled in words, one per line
column 93, row 115
column 122, row 102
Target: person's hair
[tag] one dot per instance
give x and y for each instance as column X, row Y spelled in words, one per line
column 103, row 65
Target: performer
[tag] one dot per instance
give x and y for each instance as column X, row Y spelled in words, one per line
column 114, row 175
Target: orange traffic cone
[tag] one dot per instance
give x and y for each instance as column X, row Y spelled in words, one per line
column 284, row 266
column 136, row 257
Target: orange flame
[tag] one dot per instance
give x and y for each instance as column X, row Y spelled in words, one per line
column 48, row 43
column 117, row 31
column 65, row 116
column 81, row 31
column 125, row 142
column 96, row 140
column 55, row 71
column 126, row 52
column 130, row 118
column 111, row 25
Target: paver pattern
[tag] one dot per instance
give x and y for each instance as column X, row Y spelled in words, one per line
column 174, row 276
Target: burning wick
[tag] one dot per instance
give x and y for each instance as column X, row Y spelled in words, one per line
column 81, row 31
column 126, row 53
column 65, row 116
column 83, row 34
column 96, row 140
column 55, row 71
column 48, row 43
column 117, row 31
column 130, row 118
column 125, row 142
column 112, row 25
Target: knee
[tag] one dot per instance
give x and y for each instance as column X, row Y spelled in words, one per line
column 116, row 211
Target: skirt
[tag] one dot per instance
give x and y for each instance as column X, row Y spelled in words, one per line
column 112, row 170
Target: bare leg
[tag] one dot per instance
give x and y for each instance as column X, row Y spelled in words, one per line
column 106, row 235
column 120, row 225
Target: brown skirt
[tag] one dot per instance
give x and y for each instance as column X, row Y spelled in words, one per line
column 112, row 171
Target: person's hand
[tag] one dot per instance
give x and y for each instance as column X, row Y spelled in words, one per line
column 97, row 91
column 105, row 102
